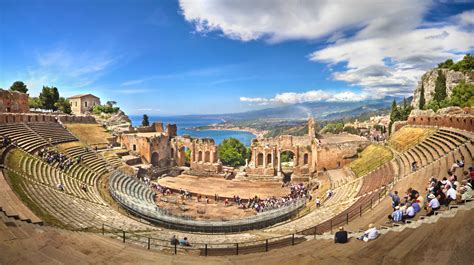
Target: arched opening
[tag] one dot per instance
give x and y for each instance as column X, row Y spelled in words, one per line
column 260, row 160
column 186, row 152
column 287, row 163
column 305, row 159
column 269, row 160
column 207, row 157
column 200, row 156
column 155, row 159
column 134, row 147
column 172, row 153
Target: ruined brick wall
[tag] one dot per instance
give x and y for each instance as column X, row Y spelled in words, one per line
column 332, row 156
column 43, row 117
column 454, row 117
column 155, row 150
column 13, row 102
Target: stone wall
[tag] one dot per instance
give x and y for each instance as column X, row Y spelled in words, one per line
column 454, row 117
column 428, row 81
column 337, row 155
column 43, row 117
column 13, row 102
column 203, row 153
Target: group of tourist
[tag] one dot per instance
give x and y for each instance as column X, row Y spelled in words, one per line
column 439, row 192
column 6, row 141
column 182, row 242
column 51, row 156
column 297, row 191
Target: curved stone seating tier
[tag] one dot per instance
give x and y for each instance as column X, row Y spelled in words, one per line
column 25, row 137
column 114, row 160
column 52, row 132
column 131, row 186
column 376, row 179
column 39, row 171
column 89, row 158
column 12, row 206
column 77, row 213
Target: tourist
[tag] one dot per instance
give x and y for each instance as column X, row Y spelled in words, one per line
column 396, row 215
column 84, row 187
column 226, row 202
column 184, row 242
column 329, row 193
column 413, row 166
column 341, row 236
column 318, row 202
column 466, row 192
column 451, row 195
column 60, row 187
column 433, row 205
column 395, row 199
column 371, row 234
column 457, row 164
column 174, row 241
column 409, row 213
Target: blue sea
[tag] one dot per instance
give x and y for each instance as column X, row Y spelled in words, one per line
column 184, row 123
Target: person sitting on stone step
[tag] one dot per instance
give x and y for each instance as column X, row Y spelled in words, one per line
column 341, row 236
column 396, row 215
column 371, row 234
column 433, row 204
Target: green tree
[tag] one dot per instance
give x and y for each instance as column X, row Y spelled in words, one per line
column 63, row 105
column 463, row 95
column 440, row 87
column 232, row 152
column 48, row 97
column 19, row 86
column 111, row 103
column 422, row 97
column 446, row 64
column 34, row 103
column 145, row 121
column 187, row 155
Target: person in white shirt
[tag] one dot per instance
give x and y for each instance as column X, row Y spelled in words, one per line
column 450, row 195
column 433, row 204
column 371, row 234
column 410, row 212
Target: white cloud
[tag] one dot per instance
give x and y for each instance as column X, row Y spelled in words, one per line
column 279, row 20
column 309, row 96
column 66, row 69
column 394, row 64
column 466, row 17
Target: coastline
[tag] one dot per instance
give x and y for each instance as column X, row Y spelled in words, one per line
column 215, row 127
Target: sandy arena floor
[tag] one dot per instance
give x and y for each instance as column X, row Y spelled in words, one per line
column 225, row 188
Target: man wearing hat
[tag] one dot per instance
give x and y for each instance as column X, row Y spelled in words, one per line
column 433, row 204
column 397, row 215
column 371, row 234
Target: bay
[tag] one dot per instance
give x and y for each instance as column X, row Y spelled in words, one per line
column 185, row 123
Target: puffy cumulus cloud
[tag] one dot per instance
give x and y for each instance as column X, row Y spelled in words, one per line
column 309, row 96
column 466, row 17
column 393, row 64
column 278, row 20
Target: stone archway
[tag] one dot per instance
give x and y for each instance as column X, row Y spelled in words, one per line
column 207, row 157
column 287, row 164
column 155, row 159
column 260, row 160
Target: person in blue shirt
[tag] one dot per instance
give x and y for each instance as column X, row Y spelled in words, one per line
column 395, row 199
column 396, row 216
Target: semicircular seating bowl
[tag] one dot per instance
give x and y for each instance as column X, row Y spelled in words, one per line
column 52, row 132
column 24, row 136
column 90, row 159
column 137, row 198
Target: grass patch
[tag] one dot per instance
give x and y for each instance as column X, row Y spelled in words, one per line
column 90, row 134
column 370, row 158
column 407, row 137
column 16, row 183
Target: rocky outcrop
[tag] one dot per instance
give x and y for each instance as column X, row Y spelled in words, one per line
column 428, row 80
column 117, row 122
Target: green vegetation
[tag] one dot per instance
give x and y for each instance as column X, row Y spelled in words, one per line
column 287, row 156
column 336, row 127
column 19, row 86
column 465, row 65
column 187, row 155
column 407, row 137
column 399, row 113
column 440, row 87
column 49, row 99
column 371, row 158
column 63, row 105
column 145, row 121
column 422, row 97
column 17, row 181
column 462, row 96
column 233, row 153
column 97, row 110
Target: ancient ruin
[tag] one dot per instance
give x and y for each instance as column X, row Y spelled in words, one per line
column 13, row 101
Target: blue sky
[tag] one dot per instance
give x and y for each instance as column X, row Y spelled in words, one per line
column 195, row 57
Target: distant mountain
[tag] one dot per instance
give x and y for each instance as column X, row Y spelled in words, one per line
column 319, row 110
